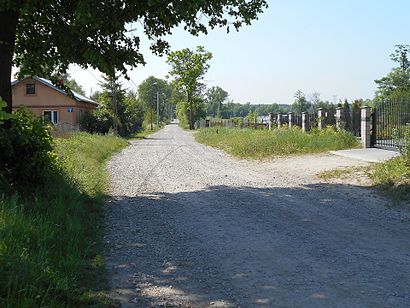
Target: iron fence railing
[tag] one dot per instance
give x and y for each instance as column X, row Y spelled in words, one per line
column 389, row 120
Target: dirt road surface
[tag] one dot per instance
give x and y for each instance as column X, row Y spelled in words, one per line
column 190, row 226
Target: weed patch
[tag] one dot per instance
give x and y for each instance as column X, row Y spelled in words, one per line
column 249, row 143
column 393, row 177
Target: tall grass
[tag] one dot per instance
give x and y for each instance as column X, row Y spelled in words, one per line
column 393, row 177
column 282, row 141
column 50, row 242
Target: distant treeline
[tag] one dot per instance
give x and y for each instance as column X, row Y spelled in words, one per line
column 231, row 110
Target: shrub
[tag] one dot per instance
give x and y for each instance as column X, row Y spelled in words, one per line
column 402, row 139
column 26, row 153
column 100, row 121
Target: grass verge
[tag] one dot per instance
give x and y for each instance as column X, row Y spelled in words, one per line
column 393, row 177
column 344, row 173
column 50, row 242
column 144, row 133
column 249, row 143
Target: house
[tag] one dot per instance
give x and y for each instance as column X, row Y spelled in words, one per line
column 49, row 101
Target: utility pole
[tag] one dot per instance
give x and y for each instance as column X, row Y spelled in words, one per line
column 114, row 103
column 151, row 117
column 157, row 109
column 152, row 106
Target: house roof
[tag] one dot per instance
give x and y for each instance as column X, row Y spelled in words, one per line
column 77, row 96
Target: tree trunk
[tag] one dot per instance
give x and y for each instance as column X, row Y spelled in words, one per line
column 8, row 25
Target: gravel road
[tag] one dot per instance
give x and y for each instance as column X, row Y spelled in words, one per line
column 190, row 226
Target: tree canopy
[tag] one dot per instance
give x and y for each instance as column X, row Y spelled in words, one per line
column 44, row 36
column 147, row 94
column 397, row 83
column 214, row 98
column 188, row 68
column 301, row 104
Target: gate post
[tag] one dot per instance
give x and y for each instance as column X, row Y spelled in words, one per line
column 365, row 126
column 321, row 118
column 340, row 118
column 304, row 122
column 279, row 120
column 290, row 119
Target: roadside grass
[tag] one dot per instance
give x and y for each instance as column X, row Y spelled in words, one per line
column 393, row 177
column 145, row 132
column 51, row 241
column 344, row 172
column 249, row 143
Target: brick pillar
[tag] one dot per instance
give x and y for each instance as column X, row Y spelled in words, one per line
column 305, row 123
column 279, row 120
column 340, row 118
column 291, row 119
column 321, row 118
column 365, row 126
column 270, row 120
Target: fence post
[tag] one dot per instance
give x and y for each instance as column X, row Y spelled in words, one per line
column 340, row 118
column 365, row 126
column 304, row 122
column 290, row 118
column 279, row 120
column 321, row 118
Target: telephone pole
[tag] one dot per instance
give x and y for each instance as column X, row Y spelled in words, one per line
column 114, row 103
column 157, row 109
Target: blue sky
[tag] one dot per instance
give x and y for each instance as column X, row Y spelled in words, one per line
column 336, row 48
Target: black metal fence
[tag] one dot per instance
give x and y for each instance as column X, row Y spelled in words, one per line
column 311, row 121
column 388, row 122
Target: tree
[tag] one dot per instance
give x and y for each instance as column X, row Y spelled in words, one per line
column 112, row 98
column 400, row 55
column 147, row 93
column 397, row 83
column 315, row 100
column 72, row 84
column 126, row 114
column 301, row 104
column 214, row 98
column 188, row 68
column 45, row 36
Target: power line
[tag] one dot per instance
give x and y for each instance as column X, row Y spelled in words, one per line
column 93, row 75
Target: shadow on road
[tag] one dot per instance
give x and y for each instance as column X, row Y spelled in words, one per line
column 315, row 245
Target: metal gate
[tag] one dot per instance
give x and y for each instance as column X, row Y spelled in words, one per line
column 388, row 122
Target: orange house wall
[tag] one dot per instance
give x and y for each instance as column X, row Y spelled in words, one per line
column 46, row 99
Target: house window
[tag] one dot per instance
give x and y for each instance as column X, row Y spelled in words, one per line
column 30, row 88
column 51, row 116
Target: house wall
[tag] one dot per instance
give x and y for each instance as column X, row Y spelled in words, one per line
column 47, row 98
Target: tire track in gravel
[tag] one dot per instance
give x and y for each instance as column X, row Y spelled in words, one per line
column 189, row 226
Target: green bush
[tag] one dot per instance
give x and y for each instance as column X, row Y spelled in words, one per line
column 99, row 121
column 26, row 153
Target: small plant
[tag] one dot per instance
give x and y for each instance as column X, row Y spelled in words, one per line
column 401, row 137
